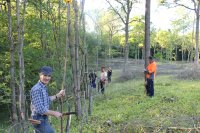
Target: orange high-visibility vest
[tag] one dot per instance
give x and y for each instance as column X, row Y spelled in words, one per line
column 151, row 68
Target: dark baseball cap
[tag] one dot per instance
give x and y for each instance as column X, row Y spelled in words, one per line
column 46, row 70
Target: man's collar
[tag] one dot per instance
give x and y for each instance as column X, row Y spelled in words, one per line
column 41, row 83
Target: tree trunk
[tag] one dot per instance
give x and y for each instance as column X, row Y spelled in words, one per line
column 76, row 66
column 147, row 31
column 197, row 35
column 20, row 29
column 109, row 45
column 176, row 53
column 82, row 23
column 90, row 101
column 182, row 52
column 12, row 65
column 42, row 35
column 68, row 36
column 126, row 44
column 97, row 58
column 138, row 53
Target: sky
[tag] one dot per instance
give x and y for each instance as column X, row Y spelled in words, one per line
column 160, row 16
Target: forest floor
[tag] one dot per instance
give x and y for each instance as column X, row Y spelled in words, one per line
column 124, row 108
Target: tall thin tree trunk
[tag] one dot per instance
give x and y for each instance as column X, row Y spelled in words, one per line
column 147, row 31
column 188, row 56
column 41, row 18
column 85, row 54
column 182, row 52
column 85, row 71
column 68, row 35
column 176, row 53
column 109, row 46
column 97, row 58
column 12, row 65
column 197, row 35
column 126, row 45
column 138, row 53
column 20, row 28
column 77, row 72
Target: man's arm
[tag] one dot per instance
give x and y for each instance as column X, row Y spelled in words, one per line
column 53, row 113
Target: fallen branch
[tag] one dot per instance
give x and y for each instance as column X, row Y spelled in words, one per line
column 183, row 129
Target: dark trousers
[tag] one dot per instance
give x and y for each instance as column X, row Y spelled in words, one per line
column 109, row 79
column 150, row 87
column 93, row 84
column 102, row 86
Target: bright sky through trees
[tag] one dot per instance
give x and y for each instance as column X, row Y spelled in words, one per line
column 160, row 16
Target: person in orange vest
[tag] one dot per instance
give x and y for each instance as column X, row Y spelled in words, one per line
column 150, row 73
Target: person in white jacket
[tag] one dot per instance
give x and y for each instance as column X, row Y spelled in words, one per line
column 103, row 79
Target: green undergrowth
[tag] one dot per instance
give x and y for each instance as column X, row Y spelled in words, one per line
column 125, row 108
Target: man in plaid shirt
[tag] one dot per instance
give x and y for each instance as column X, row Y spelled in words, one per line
column 40, row 101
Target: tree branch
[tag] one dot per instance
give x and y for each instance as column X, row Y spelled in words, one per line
column 116, row 12
column 123, row 6
column 186, row 6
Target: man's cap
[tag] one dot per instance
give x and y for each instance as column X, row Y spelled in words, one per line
column 46, row 70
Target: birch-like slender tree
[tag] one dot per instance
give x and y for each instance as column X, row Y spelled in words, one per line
column 75, row 65
column 12, row 65
column 20, row 31
column 83, row 37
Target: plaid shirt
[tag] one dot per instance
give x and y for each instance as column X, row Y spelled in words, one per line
column 40, row 99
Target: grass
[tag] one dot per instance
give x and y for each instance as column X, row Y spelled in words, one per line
column 126, row 109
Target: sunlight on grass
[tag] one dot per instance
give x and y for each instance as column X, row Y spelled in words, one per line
column 176, row 103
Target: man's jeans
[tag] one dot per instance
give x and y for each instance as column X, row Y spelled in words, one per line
column 44, row 127
column 150, row 87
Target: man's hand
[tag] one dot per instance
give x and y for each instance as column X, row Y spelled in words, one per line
column 146, row 71
column 57, row 114
column 61, row 94
column 54, row 113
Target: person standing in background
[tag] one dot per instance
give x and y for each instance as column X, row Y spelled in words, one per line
column 92, row 77
column 103, row 78
column 150, row 73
